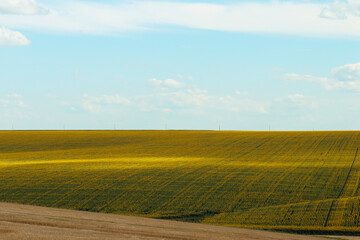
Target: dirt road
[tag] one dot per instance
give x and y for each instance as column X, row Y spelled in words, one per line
column 32, row 222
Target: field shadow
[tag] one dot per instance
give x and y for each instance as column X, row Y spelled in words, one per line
column 194, row 217
column 317, row 232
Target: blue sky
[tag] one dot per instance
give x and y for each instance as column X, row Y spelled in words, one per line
column 244, row 65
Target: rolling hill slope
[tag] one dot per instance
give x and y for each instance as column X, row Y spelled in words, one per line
column 272, row 180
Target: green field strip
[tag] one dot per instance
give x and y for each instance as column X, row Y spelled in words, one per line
column 261, row 174
column 313, row 213
column 335, row 216
column 352, row 182
column 349, row 179
column 287, row 172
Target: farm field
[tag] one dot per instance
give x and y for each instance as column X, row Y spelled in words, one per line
column 299, row 181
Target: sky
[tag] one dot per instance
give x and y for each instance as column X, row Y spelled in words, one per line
column 187, row 64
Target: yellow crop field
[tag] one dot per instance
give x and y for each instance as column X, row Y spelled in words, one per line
column 274, row 180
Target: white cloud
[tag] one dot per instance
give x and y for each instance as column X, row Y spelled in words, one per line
column 347, row 73
column 165, row 84
column 179, row 76
column 343, row 77
column 235, row 104
column 299, row 100
column 341, row 10
column 12, row 106
column 323, row 81
column 170, row 100
column 25, row 7
column 172, row 83
column 241, row 93
column 97, row 104
column 12, row 101
column 336, row 10
column 12, row 38
column 111, row 99
column 299, row 18
column 193, row 97
column 14, row 95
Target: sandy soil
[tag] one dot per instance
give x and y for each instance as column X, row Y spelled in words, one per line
column 32, row 222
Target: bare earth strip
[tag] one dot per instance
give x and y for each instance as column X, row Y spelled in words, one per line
column 32, row 222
